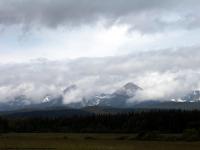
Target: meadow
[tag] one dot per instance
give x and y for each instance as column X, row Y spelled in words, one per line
column 61, row 141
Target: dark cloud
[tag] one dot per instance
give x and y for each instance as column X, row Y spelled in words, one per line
column 143, row 15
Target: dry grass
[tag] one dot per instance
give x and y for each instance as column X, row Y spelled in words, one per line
column 88, row 142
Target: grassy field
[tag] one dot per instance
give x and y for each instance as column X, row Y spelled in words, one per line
column 87, row 142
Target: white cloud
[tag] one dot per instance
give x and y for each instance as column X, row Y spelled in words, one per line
column 162, row 74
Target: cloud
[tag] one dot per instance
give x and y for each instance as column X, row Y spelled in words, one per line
column 162, row 74
column 141, row 15
column 166, row 86
column 154, row 24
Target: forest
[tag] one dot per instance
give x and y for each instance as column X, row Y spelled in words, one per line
column 160, row 121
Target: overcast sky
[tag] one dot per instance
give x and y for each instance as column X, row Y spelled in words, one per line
column 155, row 43
column 61, row 29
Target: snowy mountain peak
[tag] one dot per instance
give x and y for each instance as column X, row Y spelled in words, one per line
column 193, row 96
column 46, row 99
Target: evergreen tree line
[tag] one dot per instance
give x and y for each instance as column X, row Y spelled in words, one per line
column 162, row 121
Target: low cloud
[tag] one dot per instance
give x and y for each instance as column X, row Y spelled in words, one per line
column 162, row 74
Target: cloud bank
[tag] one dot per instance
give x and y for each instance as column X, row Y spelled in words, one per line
column 162, row 74
column 141, row 15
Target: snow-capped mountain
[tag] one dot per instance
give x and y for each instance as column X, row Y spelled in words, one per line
column 116, row 99
column 22, row 101
column 193, row 96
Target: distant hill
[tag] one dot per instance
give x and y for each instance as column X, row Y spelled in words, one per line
column 54, row 112
column 168, row 105
column 107, row 110
column 57, row 112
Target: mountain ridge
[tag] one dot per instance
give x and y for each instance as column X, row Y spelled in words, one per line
column 117, row 99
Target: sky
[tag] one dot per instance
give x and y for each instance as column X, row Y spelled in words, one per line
column 46, row 45
column 61, row 29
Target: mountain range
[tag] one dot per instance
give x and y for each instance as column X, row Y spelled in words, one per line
column 117, row 99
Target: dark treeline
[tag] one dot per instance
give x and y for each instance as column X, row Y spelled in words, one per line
column 168, row 121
